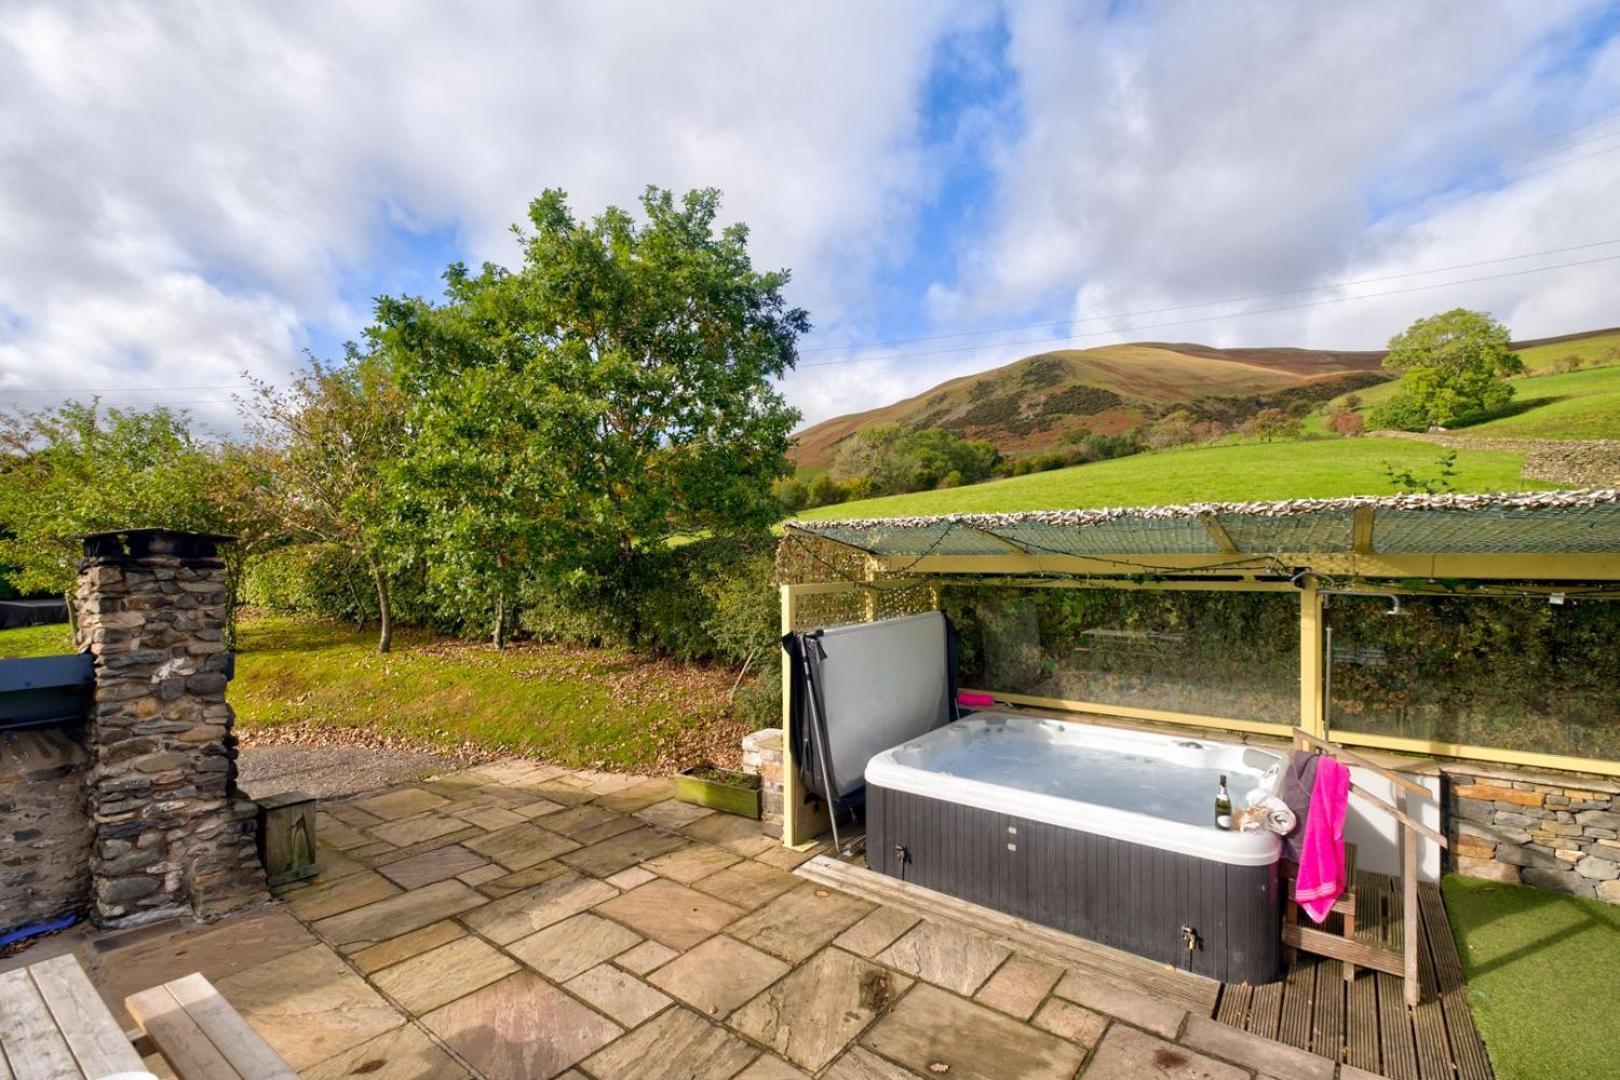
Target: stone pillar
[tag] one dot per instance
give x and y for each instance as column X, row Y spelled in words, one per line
column 762, row 755
column 172, row 835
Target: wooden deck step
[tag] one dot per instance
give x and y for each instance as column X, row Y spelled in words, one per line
column 1123, row 970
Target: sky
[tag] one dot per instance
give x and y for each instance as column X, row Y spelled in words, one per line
column 191, row 191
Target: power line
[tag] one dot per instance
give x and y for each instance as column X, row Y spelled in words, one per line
column 1212, row 318
column 1211, row 303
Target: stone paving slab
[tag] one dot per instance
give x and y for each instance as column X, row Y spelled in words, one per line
column 390, row 952
column 366, row 926
column 309, row 1006
column 620, row 995
column 747, row 884
column 399, row 803
column 430, row 866
column 672, row 813
column 521, row 1026
column 439, row 976
column 810, row 1016
column 1073, row 1022
column 931, row 1027
column 565, row 949
column 677, row 1044
column 718, row 975
column 1160, row 1017
column 1128, row 1054
column 945, row 956
column 404, row 1053
column 417, row 830
column 623, row 851
column 877, row 931
column 692, row 863
column 321, row 899
column 519, row 847
column 797, row 923
column 507, row 884
column 645, row 957
column 670, row 914
column 861, row 1064
column 1019, row 986
column 522, row 913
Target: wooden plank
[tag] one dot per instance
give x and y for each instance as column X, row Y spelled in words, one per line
column 1429, row 1022
column 94, row 1037
column 1353, row 758
column 1299, row 990
column 1361, row 530
column 1328, row 1037
column 1127, row 971
column 1359, row 953
column 1467, row 1049
column 1265, row 1010
column 1361, row 1022
column 243, row 1047
column 1412, row 939
column 189, row 1052
column 1395, row 1030
column 29, row 1039
column 1233, row 1009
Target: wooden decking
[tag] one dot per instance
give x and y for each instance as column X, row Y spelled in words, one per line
column 1366, row 1023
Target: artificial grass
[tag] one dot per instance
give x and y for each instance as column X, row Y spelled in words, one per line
column 1237, row 473
column 1542, row 974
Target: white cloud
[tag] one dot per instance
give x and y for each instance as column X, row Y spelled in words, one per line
column 189, row 187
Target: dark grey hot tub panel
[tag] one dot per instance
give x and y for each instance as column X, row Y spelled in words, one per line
column 1129, row 896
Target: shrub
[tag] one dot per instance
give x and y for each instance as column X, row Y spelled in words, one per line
column 1346, row 422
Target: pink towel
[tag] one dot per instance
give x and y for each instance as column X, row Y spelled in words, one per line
column 1321, row 863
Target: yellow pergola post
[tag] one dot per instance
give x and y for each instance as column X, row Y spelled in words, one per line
column 1312, row 706
column 803, row 817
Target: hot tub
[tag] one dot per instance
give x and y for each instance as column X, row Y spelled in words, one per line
column 1101, row 832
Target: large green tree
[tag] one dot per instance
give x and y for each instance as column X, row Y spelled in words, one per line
column 1455, row 367
column 80, row 468
column 325, row 452
column 616, row 389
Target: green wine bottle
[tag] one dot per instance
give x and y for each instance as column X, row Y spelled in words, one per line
column 1223, row 807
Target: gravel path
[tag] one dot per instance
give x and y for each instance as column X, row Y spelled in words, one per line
column 335, row 772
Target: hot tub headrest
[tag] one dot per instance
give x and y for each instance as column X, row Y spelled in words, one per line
column 879, row 684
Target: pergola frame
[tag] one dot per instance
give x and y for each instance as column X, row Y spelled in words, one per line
column 1312, row 574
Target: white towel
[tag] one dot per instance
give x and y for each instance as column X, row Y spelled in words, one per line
column 1268, row 813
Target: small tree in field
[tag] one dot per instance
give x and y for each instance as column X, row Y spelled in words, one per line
column 1269, row 424
column 1455, row 367
column 1346, row 422
column 326, row 447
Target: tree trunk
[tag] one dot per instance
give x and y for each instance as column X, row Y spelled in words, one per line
column 385, row 613
column 500, row 621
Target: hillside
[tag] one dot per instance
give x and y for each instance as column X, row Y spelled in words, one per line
column 1033, row 403
column 1324, row 468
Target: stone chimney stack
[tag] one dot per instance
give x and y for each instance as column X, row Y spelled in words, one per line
column 171, row 833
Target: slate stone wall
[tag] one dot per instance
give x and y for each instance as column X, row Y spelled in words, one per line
column 1555, row 831
column 171, row 833
column 44, row 827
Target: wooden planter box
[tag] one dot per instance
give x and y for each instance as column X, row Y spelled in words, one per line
column 720, row 789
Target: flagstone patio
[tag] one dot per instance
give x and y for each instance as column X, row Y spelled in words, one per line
column 521, row 920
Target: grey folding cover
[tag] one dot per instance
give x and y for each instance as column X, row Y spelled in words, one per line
column 883, row 683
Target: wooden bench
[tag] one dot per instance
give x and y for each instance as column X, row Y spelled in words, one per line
column 201, row 1036
column 54, row 1025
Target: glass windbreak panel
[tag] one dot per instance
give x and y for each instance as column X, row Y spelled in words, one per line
column 1508, row 673
column 1229, row 654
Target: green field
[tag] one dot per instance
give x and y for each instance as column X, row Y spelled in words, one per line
column 1541, row 972
column 581, row 707
column 35, row 641
column 1579, row 405
column 1251, row 471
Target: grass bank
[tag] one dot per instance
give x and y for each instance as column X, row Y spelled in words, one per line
column 598, row 708
column 1541, row 972
column 1237, row 473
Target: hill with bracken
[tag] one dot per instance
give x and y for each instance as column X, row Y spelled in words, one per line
column 1038, row 402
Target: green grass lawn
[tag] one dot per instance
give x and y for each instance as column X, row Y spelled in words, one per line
column 605, row 708
column 1579, row 405
column 1543, row 978
column 1593, row 350
column 35, row 641
column 1252, row 471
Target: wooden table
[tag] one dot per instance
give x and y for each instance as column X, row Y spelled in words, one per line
column 54, row 1025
